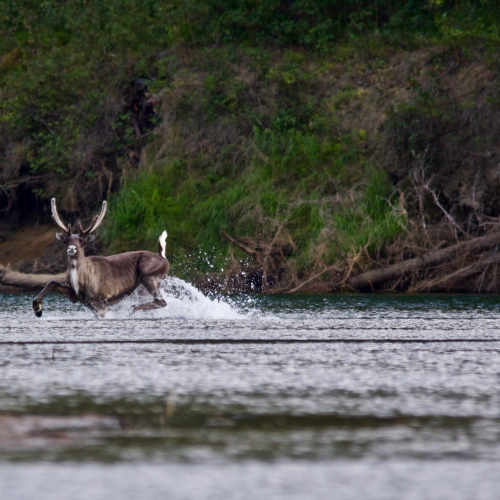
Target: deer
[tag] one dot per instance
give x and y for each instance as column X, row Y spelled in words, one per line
column 98, row 282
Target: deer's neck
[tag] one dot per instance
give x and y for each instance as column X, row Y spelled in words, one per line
column 76, row 269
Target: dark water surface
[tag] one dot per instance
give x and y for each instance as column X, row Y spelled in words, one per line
column 362, row 396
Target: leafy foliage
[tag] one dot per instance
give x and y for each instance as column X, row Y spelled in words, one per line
column 247, row 138
column 263, row 150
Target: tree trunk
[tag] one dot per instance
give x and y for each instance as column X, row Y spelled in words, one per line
column 457, row 278
column 27, row 281
column 373, row 279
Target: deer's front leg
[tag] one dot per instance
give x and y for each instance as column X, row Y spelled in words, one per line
column 52, row 286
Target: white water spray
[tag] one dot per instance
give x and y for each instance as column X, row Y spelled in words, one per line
column 184, row 301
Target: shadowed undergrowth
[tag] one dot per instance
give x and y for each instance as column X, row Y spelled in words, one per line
column 324, row 138
column 251, row 144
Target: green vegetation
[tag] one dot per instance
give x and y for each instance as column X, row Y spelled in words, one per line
column 264, row 119
column 264, row 151
column 197, row 209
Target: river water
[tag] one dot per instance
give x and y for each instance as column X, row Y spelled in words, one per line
column 266, row 397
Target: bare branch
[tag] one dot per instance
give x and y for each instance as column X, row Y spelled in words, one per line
column 329, row 268
column 449, row 217
column 240, row 245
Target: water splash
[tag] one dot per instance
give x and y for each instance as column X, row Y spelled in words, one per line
column 184, row 301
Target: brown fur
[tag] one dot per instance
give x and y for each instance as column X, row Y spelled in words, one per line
column 101, row 281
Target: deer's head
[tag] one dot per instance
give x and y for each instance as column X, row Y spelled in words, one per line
column 75, row 242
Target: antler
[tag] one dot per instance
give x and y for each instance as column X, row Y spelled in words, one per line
column 96, row 221
column 56, row 219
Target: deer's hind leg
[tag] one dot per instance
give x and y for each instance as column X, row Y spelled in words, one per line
column 53, row 286
column 153, row 287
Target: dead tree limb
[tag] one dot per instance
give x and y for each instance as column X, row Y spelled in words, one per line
column 456, row 277
column 240, row 245
column 312, row 278
column 265, row 260
column 27, row 281
column 448, row 216
column 373, row 279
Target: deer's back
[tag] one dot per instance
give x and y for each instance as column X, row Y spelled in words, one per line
column 121, row 274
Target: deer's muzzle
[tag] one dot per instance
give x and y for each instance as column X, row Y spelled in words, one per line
column 71, row 250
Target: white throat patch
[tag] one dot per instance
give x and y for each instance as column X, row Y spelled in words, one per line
column 73, row 277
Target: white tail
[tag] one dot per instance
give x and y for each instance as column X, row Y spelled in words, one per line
column 162, row 244
column 98, row 281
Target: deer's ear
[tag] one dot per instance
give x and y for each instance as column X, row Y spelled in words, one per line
column 60, row 237
column 89, row 238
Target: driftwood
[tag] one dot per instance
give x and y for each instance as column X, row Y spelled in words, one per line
column 457, row 278
column 27, row 281
column 373, row 279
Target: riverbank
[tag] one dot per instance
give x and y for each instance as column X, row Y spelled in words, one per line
column 439, row 270
column 275, row 162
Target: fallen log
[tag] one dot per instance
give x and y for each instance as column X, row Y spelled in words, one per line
column 456, row 279
column 373, row 279
column 27, row 281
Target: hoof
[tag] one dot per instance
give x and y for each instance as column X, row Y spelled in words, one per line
column 101, row 313
column 37, row 309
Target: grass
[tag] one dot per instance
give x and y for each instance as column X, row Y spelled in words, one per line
column 292, row 188
column 273, row 115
